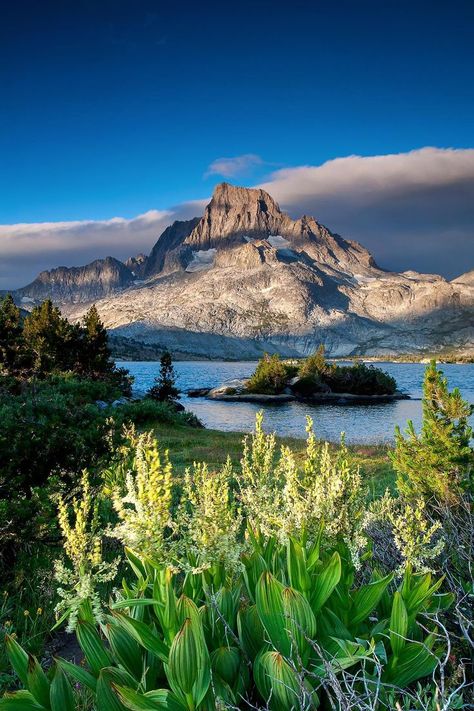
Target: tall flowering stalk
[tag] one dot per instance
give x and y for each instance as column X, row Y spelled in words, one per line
column 284, row 499
column 209, row 522
column 261, row 482
column 417, row 539
column 84, row 568
column 326, row 493
column 144, row 512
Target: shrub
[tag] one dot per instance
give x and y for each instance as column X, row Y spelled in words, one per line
column 360, row 379
column 309, row 384
column 270, row 376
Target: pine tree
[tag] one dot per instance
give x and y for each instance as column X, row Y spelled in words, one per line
column 95, row 355
column 165, row 388
column 11, row 335
column 438, row 463
column 50, row 338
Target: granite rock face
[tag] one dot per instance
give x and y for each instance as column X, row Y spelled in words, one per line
column 246, row 278
column 80, row 284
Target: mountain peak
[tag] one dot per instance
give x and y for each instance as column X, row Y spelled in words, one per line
column 235, row 213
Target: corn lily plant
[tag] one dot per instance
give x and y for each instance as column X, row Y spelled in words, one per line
column 271, row 637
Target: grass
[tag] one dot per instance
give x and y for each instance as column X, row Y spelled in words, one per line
column 187, row 445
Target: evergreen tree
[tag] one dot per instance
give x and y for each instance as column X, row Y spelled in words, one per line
column 95, row 353
column 165, row 388
column 11, row 335
column 437, row 464
column 315, row 364
column 50, row 339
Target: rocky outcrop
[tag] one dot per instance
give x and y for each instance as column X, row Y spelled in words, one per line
column 467, row 278
column 169, row 242
column 246, row 278
column 80, row 284
column 137, row 265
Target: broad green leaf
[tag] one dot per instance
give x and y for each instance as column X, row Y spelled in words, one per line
column 187, row 609
column 61, row 694
column 126, row 650
column 278, row 685
column 136, row 564
column 18, row 658
column 440, row 602
column 159, row 699
column 251, row 632
column 79, row 674
column 254, row 566
column 300, row 623
column 297, row 569
column 324, row 582
column 144, row 635
column 366, row 599
column 269, row 601
column 415, row 662
column 188, row 668
column 19, row 701
column 93, row 647
column 329, row 625
column 165, row 610
column 134, row 602
column 225, row 661
column 398, row 624
column 38, row 683
column 106, row 698
column 312, row 555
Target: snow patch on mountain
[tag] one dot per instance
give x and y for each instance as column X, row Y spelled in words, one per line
column 202, row 259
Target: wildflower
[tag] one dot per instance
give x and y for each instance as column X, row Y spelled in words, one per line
column 26, row 613
column 39, row 611
column 327, row 491
column 144, row 511
column 82, row 543
column 209, row 521
column 417, row 539
column 261, row 482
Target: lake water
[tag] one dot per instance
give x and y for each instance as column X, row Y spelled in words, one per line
column 361, row 423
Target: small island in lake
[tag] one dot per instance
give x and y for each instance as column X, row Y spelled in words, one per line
column 312, row 379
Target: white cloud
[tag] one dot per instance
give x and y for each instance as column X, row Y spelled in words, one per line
column 233, row 167
column 413, row 210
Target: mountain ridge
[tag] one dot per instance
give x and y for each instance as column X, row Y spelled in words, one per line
column 245, row 277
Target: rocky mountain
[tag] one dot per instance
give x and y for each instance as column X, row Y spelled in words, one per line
column 79, row 284
column 246, row 278
column 467, row 278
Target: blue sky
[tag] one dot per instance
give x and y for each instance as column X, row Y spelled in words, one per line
column 116, row 108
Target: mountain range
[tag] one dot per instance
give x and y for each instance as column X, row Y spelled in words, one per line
column 246, row 278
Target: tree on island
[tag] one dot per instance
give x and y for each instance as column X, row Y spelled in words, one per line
column 165, row 389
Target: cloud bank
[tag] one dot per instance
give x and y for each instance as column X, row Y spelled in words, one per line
column 411, row 210
column 26, row 249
